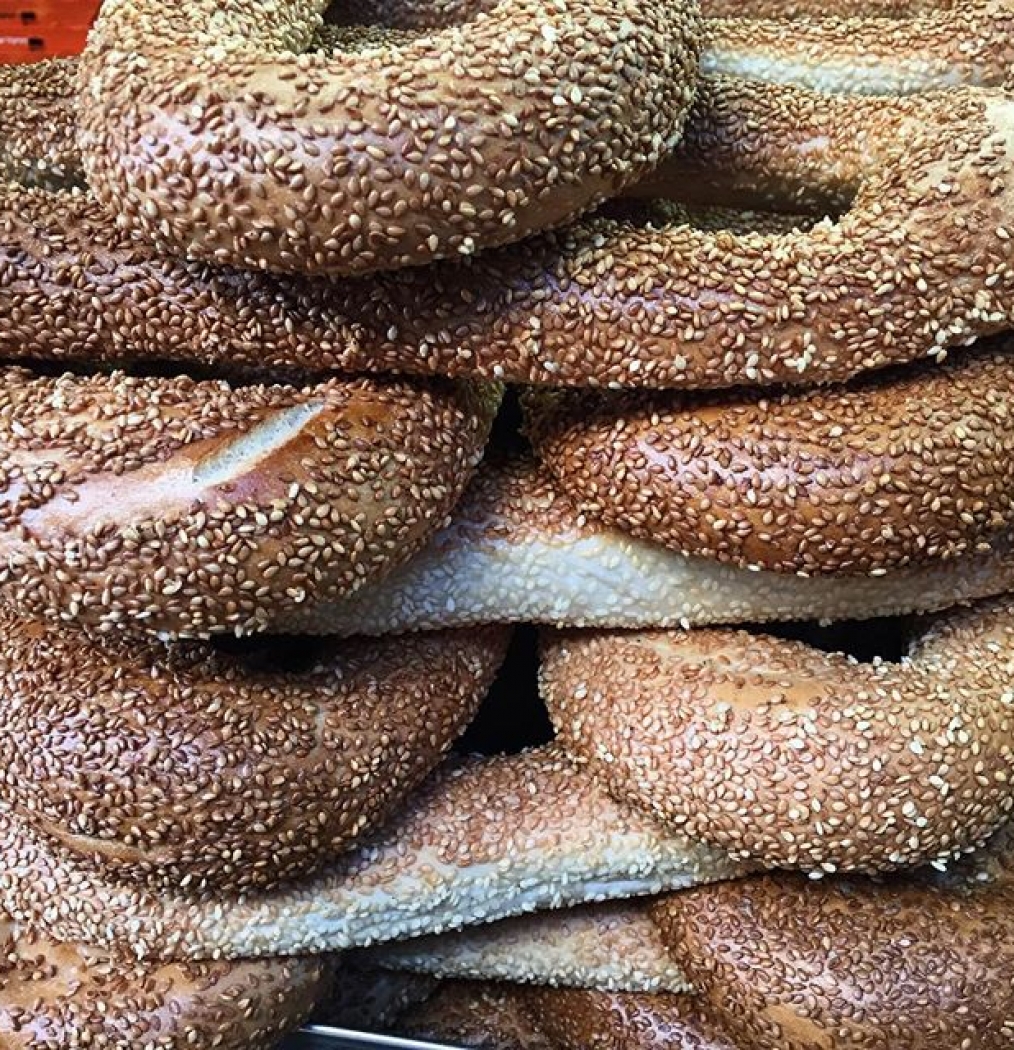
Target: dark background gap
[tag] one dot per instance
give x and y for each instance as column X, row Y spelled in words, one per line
column 886, row 638
column 512, row 717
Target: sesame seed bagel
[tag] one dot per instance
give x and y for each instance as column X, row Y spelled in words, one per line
column 874, row 48
column 516, row 550
column 613, row 303
column 481, row 840
column 606, row 302
column 190, row 508
column 178, row 766
column 878, row 286
column 895, row 469
column 77, row 290
column 75, row 995
column 794, row 757
column 902, row 964
column 38, row 115
column 212, row 137
column 780, row 963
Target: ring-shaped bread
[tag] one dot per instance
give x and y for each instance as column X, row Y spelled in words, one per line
column 77, row 995
column 517, row 550
column 896, row 469
column 179, row 766
column 607, row 302
column 212, row 136
column 794, row 757
column 192, row 507
column 904, row 963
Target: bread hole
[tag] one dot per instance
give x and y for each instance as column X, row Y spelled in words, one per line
column 506, row 437
column 512, row 717
column 658, row 212
column 275, row 654
column 886, row 639
column 396, row 14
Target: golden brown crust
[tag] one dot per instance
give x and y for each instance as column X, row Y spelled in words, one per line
column 792, row 756
column 573, row 1019
column 197, row 507
column 176, row 766
column 75, row 996
column 75, row 289
column 213, row 139
column 908, row 962
column 507, row 1017
column 604, row 302
column 904, row 964
column 893, row 470
column 38, row 116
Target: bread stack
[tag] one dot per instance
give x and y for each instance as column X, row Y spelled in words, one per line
column 268, row 273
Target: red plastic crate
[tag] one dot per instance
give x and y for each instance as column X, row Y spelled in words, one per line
column 52, row 14
column 15, row 49
column 21, row 49
column 31, row 30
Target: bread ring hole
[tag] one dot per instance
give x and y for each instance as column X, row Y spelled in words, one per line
column 507, row 438
column 716, row 198
column 408, row 15
column 661, row 212
column 513, row 716
column 274, row 654
column 867, row 641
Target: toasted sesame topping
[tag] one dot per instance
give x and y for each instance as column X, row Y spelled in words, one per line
column 214, row 137
column 782, row 961
column 610, row 947
column 38, row 109
column 517, row 550
column 893, row 470
column 607, row 302
column 481, row 840
column 176, row 765
column 193, row 508
column 794, row 757
column 476, row 1014
column 78, row 996
column 500, row 1016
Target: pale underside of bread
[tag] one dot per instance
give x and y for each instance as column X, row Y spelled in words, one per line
column 483, row 840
